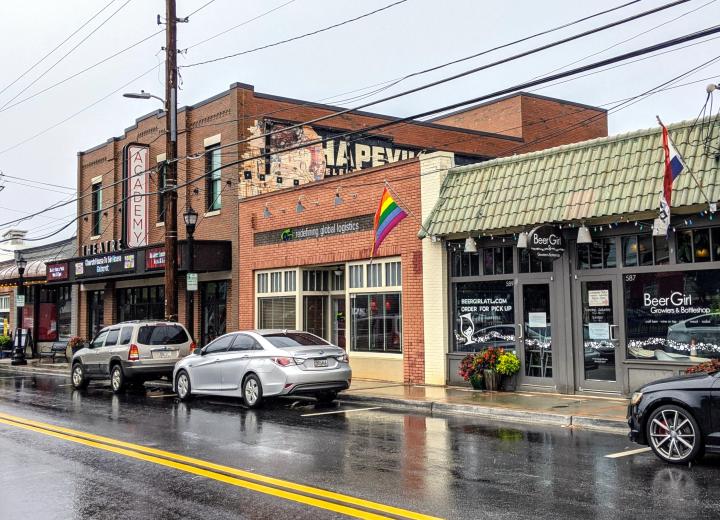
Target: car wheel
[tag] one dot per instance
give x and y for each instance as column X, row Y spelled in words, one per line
column 674, row 434
column 252, row 391
column 79, row 381
column 117, row 379
column 326, row 397
column 182, row 386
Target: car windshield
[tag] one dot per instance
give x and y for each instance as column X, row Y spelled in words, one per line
column 293, row 339
column 162, row 335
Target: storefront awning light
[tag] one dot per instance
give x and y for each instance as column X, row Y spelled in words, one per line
column 522, row 240
column 583, row 236
column 470, row 245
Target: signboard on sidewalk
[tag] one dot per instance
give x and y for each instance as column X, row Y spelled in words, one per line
column 192, row 281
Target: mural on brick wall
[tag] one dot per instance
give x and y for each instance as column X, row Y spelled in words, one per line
column 334, row 156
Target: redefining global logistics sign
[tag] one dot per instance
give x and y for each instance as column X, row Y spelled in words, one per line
column 342, row 226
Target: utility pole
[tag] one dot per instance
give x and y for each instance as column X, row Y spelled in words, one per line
column 170, row 195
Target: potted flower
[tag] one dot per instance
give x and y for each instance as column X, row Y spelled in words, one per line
column 508, row 365
column 487, row 361
column 76, row 343
column 470, row 371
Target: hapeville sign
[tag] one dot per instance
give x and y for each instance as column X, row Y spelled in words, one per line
column 99, row 266
column 546, row 242
column 136, row 179
column 338, row 227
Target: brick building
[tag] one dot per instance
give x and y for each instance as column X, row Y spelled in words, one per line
column 120, row 238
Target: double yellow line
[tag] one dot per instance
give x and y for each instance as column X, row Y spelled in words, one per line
column 312, row 496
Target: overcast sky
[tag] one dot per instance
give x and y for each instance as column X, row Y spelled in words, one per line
column 408, row 37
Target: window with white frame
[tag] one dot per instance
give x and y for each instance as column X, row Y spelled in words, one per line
column 276, row 303
column 376, row 306
column 4, row 303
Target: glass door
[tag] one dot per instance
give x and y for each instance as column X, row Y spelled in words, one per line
column 315, row 315
column 597, row 334
column 337, row 328
column 534, row 340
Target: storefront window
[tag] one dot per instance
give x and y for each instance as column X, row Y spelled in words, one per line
column 642, row 250
column 64, row 311
column 673, row 316
column 276, row 313
column 484, row 315
column 693, row 245
column 141, row 303
column 598, row 255
column 213, row 296
column 376, row 322
column 95, row 312
column 487, row 261
column 532, row 264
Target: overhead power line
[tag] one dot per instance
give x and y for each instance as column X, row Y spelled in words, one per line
column 66, row 54
column 294, row 38
column 508, row 90
column 47, row 55
column 474, row 70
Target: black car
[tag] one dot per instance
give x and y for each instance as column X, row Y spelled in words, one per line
column 679, row 417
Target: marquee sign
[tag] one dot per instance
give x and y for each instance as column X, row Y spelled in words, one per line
column 546, row 242
column 338, row 227
column 111, row 264
column 155, row 258
column 57, row 272
column 136, row 185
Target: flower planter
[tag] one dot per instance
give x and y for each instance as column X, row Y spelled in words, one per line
column 476, row 380
column 508, row 383
column 492, row 380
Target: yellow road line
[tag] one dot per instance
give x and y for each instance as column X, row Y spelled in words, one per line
column 181, row 462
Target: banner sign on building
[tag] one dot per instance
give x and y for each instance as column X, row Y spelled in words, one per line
column 136, row 206
column 546, row 242
column 98, row 266
column 57, row 272
column 155, row 258
column 320, row 230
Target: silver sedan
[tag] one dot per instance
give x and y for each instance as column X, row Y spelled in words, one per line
column 264, row 363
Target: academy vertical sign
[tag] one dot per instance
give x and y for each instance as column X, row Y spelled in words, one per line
column 136, row 205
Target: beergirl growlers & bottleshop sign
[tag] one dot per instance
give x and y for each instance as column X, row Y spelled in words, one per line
column 546, row 242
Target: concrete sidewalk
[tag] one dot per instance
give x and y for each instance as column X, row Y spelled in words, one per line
column 576, row 411
column 568, row 411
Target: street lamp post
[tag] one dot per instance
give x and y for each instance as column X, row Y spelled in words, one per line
column 18, row 357
column 191, row 218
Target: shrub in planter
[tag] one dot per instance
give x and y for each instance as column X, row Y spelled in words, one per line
column 710, row 366
column 508, row 365
column 5, row 342
column 76, row 343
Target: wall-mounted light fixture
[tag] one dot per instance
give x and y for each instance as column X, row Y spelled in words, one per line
column 470, row 245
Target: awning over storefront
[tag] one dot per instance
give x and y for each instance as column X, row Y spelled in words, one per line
column 597, row 180
column 34, row 269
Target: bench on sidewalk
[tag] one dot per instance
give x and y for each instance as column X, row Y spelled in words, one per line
column 58, row 348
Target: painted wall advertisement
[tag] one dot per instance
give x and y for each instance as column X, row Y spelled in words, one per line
column 136, row 206
column 673, row 316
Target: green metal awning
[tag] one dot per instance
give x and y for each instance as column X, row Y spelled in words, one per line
column 597, row 180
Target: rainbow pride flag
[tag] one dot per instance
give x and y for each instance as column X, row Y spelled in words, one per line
column 387, row 216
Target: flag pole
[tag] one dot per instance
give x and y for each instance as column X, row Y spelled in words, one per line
column 690, row 171
column 405, row 206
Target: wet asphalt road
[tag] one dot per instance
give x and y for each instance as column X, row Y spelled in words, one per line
column 449, row 467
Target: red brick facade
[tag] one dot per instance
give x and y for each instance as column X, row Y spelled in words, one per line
column 361, row 192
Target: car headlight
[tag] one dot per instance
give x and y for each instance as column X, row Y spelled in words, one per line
column 636, row 397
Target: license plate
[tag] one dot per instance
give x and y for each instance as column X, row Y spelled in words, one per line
column 321, row 363
column 163, row 354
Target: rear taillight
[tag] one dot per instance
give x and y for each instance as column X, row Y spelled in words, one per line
column 343, row 359
column 193, row 346
column 286, row 361
column 134, row 353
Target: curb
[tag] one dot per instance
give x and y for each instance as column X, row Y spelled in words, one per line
column 490, row 412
